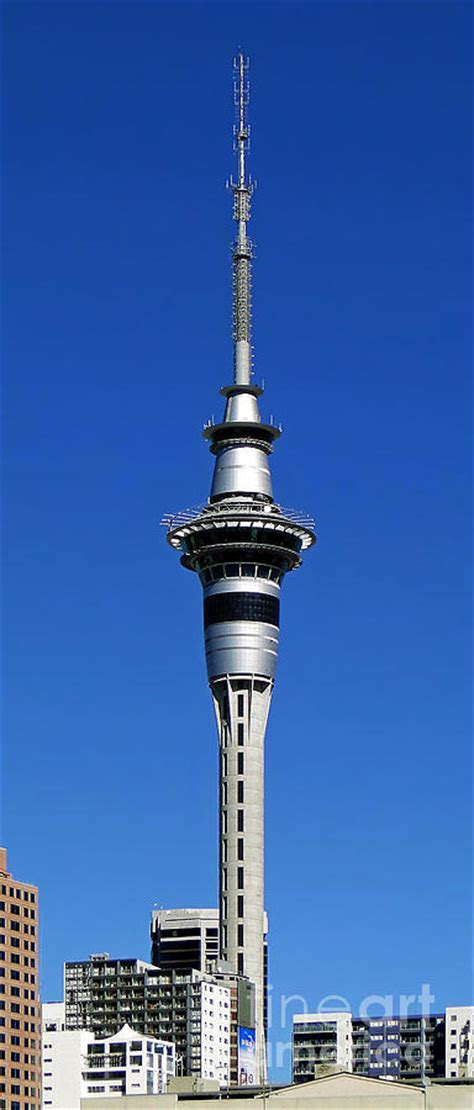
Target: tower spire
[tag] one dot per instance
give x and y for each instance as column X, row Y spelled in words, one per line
column 242, row 251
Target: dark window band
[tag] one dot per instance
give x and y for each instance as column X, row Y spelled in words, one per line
column 241, row 607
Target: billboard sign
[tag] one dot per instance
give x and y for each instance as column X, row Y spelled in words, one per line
column 246, row 1056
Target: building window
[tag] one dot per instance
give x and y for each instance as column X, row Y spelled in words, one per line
column 240, row 733
column 240, row 848
column 240, row 878
column 240, row 905
column 240, row 936
column 240, row 705
column 240, row 820
column 240, row 963
column 240, row 791
column 240, row 763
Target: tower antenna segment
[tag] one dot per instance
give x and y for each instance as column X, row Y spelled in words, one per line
column 242, row 251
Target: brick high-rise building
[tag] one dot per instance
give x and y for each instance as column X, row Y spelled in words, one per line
column 20, row 1012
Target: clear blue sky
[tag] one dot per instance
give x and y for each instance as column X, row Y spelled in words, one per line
column 116, row 339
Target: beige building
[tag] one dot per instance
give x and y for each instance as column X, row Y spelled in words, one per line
column 341, row 1091
column 20, row 1013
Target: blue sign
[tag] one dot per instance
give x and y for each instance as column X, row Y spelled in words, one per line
column 246, row 1056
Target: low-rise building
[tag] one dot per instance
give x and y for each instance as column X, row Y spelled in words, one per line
column 78, row 1066
column 321, row 1043
column 342, row 1091
column 407, row 1047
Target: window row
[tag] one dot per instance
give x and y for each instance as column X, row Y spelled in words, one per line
column 242, row 570
column 240, row 763
column 225, row 792
column 240, row 849
column 240, row 878
column 241, row 606
column 14, row 892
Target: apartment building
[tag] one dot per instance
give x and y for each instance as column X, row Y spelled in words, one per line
column 410, row 1047
column 193, row 1010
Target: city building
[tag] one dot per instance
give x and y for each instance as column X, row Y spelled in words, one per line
column 407, row 1047
column 460, row 1041
column 197, row 1012
column 241, row 544
column 53, row 1017
column 321, row 1043
column 20, row 1017
column 77, row 1066
column 188, row 939
column 185, row 940
column 341, row 1091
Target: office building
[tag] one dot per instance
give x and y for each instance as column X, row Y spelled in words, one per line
column 20, row 1017
column 460, row 1042
column 241, row 544
column 185, row 940
column 76, row 1066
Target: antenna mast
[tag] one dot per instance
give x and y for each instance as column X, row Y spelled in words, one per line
column 242, row 250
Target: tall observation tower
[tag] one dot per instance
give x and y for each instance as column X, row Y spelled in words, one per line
column 241, row 544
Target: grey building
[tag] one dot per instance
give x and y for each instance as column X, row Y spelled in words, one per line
column 185, row 939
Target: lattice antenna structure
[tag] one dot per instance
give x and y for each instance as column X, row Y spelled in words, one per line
column 242, row 249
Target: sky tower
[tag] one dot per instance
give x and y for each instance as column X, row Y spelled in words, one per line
column 241, row 543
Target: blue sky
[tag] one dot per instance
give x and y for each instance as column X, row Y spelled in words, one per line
column 116, row 339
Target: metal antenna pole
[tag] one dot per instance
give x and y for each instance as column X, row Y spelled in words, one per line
column 242, row 247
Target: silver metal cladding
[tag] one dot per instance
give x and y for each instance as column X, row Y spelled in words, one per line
column 241, row 469
column 241, row 648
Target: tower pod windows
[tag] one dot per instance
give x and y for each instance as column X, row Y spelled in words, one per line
column 241, row 607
